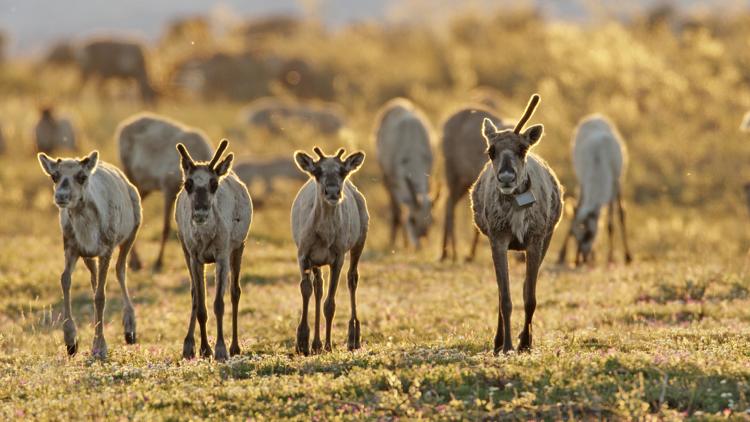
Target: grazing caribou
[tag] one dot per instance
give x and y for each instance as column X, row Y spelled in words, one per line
column 598, row 158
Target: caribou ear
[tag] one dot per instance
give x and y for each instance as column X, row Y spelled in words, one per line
column 223, row 167
column 89, row 163
column 354, row 161
column 186, row 161
column 49, row 165
column 533, row 134
column 304, row 162
column 488, row 128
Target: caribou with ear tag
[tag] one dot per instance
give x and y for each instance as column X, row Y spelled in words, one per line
column 517, row 203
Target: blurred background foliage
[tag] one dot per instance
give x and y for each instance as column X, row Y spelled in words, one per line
column 676, row 86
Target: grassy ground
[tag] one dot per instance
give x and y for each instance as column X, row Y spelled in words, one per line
column 666, row 337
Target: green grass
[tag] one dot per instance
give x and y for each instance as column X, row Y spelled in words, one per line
column 663, row 337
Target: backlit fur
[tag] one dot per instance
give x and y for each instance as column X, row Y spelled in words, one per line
column 99, row 211
column 404, row 152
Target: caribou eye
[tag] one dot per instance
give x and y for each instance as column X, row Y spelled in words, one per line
column 55, row 177
column 491, row 152
column 81, row 177
column 214, row 185
column 189, row 185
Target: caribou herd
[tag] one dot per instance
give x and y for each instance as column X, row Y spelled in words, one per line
column 516, row 202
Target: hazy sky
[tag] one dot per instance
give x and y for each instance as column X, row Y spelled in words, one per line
column 32, row 24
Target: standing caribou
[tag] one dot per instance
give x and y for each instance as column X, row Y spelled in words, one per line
column 99, row 211
column 213, row 214
column 329, row 219
column 147, row 151
column 464, row 152
column 517, row 203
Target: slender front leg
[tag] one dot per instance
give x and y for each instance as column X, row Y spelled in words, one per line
column 564, row 250
column 135, row 261
column 317, row 346
column 170, row 194
column 611, row 232
column 234, row 349
column 503, row 339
column 624, row 231
column 188, row 346
column 306, row 288
column 99, row 348
column 201, row 311
column 222, row 281
column 579, row 255
column 450, row 208
column 534, row 256
column 128, row 312
column 330, row 304
column 395, row 219
column 69, row 325
column 353, row 337
column 473, row 250
column 91, row 265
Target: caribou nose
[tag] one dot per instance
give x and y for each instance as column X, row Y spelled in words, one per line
column 506, row 178
column 200, row 215
column 332, row 192
column 62, row 198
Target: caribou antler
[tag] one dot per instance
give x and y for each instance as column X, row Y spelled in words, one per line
column 219, row 152
column 319, row 152
column 339, row 153
column 530, row 108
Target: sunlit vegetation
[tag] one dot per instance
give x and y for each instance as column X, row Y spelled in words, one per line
column 666, row 337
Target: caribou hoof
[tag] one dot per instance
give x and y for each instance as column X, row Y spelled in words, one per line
column 303, row 340
column 524, row 344
column 221, row 353
column 206, row 351
column 72, row 348
column 188, row 349
column 353, row 341
column 317, row 346
column 234, row 349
